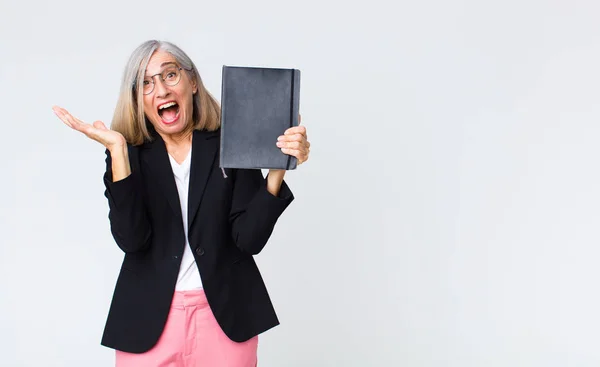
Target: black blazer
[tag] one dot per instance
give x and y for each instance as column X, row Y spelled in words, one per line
column 230, row 219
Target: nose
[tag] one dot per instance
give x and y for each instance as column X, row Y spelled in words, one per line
column 160, row 89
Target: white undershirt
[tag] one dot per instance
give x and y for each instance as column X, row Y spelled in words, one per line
column 189, row 277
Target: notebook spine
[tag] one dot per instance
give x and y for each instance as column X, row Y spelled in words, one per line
column 221, row 148
column 292, row 97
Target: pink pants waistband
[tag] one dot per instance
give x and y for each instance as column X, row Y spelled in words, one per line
column 191, row 298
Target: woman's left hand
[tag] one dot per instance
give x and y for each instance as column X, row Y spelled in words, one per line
column 295, row 142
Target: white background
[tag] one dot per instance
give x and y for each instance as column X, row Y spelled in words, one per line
column 448, row 215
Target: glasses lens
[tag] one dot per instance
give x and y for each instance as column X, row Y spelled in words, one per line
column 147, row 85
column 171, row 76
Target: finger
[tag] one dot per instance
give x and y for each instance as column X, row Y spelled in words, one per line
column 299, row 122
column 66, row 122
column 293, row 152
column 60, row 113
column 78, row 121
column 300, row 156
column 296, row 130
column 293, row 141
column 298, row 153
column 57, row 109
column 294, row 137
column 67, row 117
column 292, row 145
column 77, row 124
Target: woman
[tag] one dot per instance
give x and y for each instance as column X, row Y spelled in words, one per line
column 189, row 292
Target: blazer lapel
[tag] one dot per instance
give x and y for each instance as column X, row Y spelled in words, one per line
column 157, row 161
column 204, row 152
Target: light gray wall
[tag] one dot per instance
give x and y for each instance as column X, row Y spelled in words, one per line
column 448, row 215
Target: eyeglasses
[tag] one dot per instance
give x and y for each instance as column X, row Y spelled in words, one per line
column 170, row 76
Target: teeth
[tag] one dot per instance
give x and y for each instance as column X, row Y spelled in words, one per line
column 167, row 105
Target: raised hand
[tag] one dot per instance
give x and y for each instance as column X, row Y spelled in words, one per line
column 295, row 142
column 97, row 131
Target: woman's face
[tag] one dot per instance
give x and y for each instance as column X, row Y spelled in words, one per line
column 168, row 102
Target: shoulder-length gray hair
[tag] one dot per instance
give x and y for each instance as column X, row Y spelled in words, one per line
column 129, row 118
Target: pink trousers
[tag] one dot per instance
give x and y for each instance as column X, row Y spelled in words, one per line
column 192, row 338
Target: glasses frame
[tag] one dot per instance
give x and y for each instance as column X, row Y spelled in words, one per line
column 179, row 68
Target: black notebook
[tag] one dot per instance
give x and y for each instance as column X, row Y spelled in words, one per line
column 257, row 105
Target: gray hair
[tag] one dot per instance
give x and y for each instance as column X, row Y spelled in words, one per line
column 129, row 118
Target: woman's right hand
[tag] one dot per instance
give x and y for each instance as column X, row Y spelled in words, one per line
column 97, row 131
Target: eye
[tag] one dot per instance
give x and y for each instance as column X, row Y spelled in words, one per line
column 146, row 82
column 171, row 75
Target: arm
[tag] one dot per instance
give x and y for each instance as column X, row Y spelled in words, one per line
column 120, row 166
column 256, row 206
column 127, row 213
column 129, row 222
column 274, row 181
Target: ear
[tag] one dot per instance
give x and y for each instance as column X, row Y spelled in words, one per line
column 194, row 86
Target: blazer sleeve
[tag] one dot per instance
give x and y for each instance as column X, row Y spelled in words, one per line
column 129, row 223
column 254, row 210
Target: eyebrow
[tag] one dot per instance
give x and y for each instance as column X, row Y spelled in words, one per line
column 164, row 64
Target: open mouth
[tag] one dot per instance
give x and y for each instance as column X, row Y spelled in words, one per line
column 169, row 112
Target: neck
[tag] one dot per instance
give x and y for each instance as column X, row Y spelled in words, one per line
column 178, row 142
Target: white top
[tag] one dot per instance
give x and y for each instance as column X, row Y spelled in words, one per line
column 189, row 277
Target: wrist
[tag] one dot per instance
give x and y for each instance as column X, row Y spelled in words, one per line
column 274, row 180
column 117, row 149
column 120, row 162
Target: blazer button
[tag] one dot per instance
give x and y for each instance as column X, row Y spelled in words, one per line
column 200, row 251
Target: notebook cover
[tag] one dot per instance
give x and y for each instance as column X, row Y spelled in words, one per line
column 257, row 105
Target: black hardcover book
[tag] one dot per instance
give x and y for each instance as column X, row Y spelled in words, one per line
column 257, row 105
